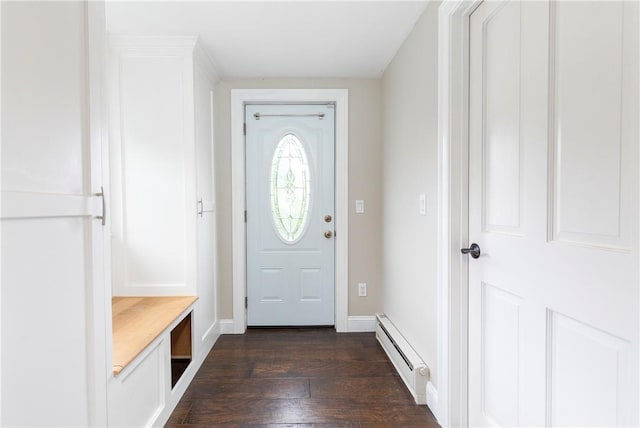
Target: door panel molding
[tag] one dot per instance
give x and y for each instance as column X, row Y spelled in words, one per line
column 240, row 97
column 582, row 222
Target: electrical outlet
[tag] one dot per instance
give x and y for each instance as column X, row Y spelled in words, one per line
column 362, row 289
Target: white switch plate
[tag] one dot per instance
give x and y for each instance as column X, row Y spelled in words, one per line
column 423, row 204
column 362, row 289
column 359, row 206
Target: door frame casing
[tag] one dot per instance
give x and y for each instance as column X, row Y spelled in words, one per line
column 453, row 210
column 241, row 97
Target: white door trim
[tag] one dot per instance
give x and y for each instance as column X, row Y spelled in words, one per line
column 240, row 97
column 453, row 196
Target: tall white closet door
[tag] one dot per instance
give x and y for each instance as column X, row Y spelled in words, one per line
column 52, row 305
column 206, row 221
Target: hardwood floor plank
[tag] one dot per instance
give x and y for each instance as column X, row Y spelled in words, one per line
column 301, row 411
column 323, row 368
column 248, row 389
column 336, row 425
column 235, row 370
column 320, row 352
column 180, row 412
column 171, row 425
column 367, row 389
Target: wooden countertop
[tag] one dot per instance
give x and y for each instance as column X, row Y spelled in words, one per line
column 138, row 321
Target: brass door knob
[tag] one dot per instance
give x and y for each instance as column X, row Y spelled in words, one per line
column 328, row 234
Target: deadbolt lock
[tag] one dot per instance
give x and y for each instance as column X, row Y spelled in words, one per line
column 327, row 218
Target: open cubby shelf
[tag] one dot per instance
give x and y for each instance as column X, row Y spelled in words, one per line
column 180, row 349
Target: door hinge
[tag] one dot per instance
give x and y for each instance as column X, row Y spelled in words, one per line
column 244, row 128
column 245, row 216
column 246, row 302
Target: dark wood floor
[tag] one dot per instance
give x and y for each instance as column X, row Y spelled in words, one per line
column 298, row 378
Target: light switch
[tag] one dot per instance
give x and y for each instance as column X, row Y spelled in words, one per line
column 423, row 204
column 359, row 206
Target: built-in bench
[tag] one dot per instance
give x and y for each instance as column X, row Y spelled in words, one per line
column 138, row 321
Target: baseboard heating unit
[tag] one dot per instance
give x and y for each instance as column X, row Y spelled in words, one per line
column 413, row 371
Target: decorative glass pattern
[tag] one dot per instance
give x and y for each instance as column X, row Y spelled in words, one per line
column 290, row 188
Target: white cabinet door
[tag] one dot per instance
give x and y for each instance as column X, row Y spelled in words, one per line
column 553, row 297
column 152, row 162
column 206, row 310
column 53, row 288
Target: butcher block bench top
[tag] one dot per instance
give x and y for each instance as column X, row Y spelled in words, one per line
column 138, row 321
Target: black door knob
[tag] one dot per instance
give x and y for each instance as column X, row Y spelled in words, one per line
column 474, row 250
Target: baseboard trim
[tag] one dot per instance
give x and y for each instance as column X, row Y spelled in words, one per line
column 432, row 399
column 355, row 324
column 227, row 326
column 359, row 324
column 214, row 329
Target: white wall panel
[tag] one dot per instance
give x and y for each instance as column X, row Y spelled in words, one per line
column 137, row 395
column 153, row 169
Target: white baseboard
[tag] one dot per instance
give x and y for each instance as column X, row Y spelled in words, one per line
column 212, row 331
column 432, row 399
column 227, row 327
column 357, row 324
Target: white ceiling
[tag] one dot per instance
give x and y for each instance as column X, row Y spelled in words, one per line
column 279, row 39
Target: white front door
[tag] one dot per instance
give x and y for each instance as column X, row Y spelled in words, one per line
column 290, row 215
column 553, row 182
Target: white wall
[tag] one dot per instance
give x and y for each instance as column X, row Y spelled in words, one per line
column 409, row 99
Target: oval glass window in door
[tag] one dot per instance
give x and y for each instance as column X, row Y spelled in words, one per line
column 290, row 189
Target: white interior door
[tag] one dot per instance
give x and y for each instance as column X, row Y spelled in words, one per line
column 553, row 182
column 290, row 210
